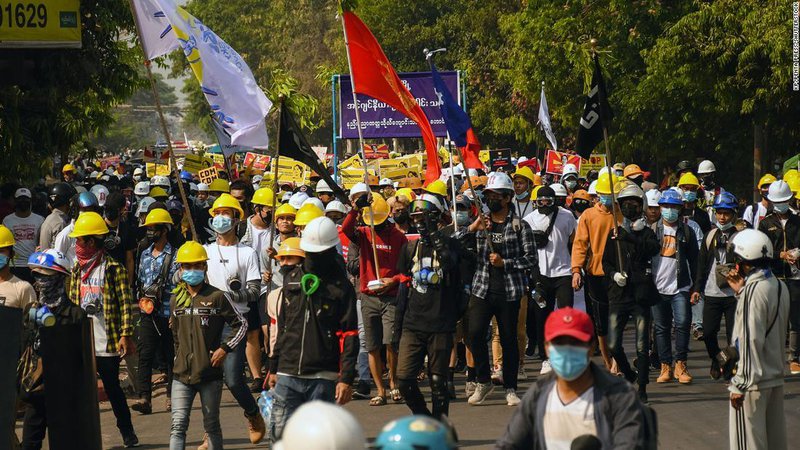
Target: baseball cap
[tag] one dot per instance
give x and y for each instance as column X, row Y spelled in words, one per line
column 569, row 322
column 22, row 192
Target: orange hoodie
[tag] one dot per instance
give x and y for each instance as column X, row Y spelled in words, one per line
column 594, row 226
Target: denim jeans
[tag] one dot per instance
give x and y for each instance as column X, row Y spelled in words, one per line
column 233, row 368
column 672, row 307
column 697, row 314
column 182, row 399
column 618, row 318
column 362, row 363
column 291, row 392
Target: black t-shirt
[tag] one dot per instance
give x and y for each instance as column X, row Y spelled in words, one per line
column 497, row 283
column 125, row 237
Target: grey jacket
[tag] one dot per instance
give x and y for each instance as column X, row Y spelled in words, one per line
column 617, row 413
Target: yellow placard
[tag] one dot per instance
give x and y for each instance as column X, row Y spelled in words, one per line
column 160, row 169
column 353, row 162
column 290, row 170
column 352, row 176
column 397, row 174
column 218, row 159
column 483, row 155
column 196, row 163
column 40, row 24
column 208, row 175
column 595, row 162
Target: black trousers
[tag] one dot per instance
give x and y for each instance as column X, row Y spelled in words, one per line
column 714, row 309
column 597, row 291
column 619, row 314
column 414, row 346
column 794, row 319
column 480, row 312
column 154, row 337
column 108, row 369
column 557, row 290
column 34, row 424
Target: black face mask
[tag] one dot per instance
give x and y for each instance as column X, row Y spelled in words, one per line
column 153, row 235
column 494, row 205
column 561, row 201
column 112, row 214
column 50, row 288
column 580, row 205
column 266, row 218
column 22, row 206
column 402, row 217
column 631, row 211
column 546, row 210
column 284, row 270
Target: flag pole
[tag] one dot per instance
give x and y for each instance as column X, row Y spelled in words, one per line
column 164, row 128
column 361, row 150
column 275, row 181
column 452, row 182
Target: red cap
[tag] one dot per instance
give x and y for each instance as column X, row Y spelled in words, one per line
column 569, row 322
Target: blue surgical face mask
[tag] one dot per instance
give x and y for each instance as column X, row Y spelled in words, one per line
column 780, row 208
column 606, row 200
column 221, row 224
column 522, row 196
column 670, row 214
column 462, row 218
column 193, row 277
column 690, row 196
column 3, row 261
column 725, row 227
column 568, row 361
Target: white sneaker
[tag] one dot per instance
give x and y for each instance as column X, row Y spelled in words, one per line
column 545, row 367
column 497, row 375
column 470, row 388
column 482, row 390
column 521, row 375
column 511, row 397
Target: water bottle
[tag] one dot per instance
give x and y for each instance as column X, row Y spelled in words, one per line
column 265, row 402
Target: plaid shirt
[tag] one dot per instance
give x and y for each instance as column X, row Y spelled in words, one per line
column 116, row 300
column 519, row 255
column 150, row 269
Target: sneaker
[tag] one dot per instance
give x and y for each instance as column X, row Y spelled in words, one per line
column 794, row 368
column 497, row 375
column 257, row 385
column 682, row 373
column 545, row 367
column 256, row 427
column 698, row 334
column 143, row 407
column 511, row 397
column 521, row 375
column 130, row 440
column 469, row 389
column 482, row 390
column 643, row 395
column 715, row 372
column 362, row 390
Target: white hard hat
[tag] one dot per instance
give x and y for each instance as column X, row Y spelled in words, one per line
column 386, row 182
column 319, row 235
column 705, row 167
column 202, row 187
column 160, row 180
column 559, row 189
column 314, row 201
column 142, row 188
column 322, row 186
column 105, row 178
column 499, row 181
column 297, row 199
column 472, row 172
column 336, row 206
column 569, row 169
column 458, row 170
column 286, row 197
column 138, row 171
column 522, row 159
column 432, row 199
column 321, row 425
column 751, row 245
column 93, row 174
column 257, row 179
column 101, row 192
column 144, row 205
column 779, row 191
column 192, row 187
column 631, row 190
column 80, row 189
column 358, row 189
column 593, row 188
column 653, row 196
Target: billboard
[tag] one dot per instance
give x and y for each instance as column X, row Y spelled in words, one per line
column 43, row 24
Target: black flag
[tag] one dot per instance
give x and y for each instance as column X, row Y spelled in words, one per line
column 292, row 143
column 596, row 114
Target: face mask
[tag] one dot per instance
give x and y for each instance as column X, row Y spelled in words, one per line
column 707, row 182
column 630, row 212
column 3, row 261
column 462, row 218
column 153, row 235
column 546, row 210
column 494, row 206
column 568, row 361
column 690, row 196
column 402, row 217
column 221, row 224
column 571, row 184
column 580, row 206
column 50, row 288
column 284, row 270
column 606, row 200
column 193, row 277
column 561, row 201
column 725, row 227
column 266, row 218
column 780, row 208
column 22, row 206
column 521, row 196
column 112, row 214
column 669, row 214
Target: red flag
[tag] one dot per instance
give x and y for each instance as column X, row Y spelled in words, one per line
column 372, row 74
column 470, row 152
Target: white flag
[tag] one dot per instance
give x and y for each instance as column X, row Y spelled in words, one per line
column 155, row 30
column 544, row 120
column 236, row 101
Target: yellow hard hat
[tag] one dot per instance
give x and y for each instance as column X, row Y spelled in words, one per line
column 157, row 216
column 767, row 179
column 535, row 192
column 285, row 210
column 89, row 223
column 604, row 181
column 407, row 193
column 191, row 252
column 226, row 201
column 794, row 184
column 263, row 197
column 307, row 213
column 219, row 185
column 291, row 247
column 157, row 191
column 437, row 187
column 6, row 237
column 790, row 174
column 380, row 211
column 68, row 168
column 688, row 179
column 527, row 173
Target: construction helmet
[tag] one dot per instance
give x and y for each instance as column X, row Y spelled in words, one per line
column 766, row 179
column 407, row 193
column 322, row 186
column 160, row 180
column 264, row 197
column 142, row 188
column 314, row 201
column 158, row 192
column 358, row 189
column 706, row 167
column 726, row 200
column 414, row 183
column 569, row 169
column 415, row 432
column 791, row 174
column 751, row 245
column 156, row 217
column 202, row 187
column 226, row 201
column 100, row 192
column 219, row 185
column 49, row 259
column 68, row 168
column 144, row 205
column 535, row 192
column 322, row 425
column 559, row 190
column 437, row 187
column 285, row 210
column 6, row 237
column 653, row 197
column 582, row 195
column 604, row 183
column 779, row 191
column 525, row 172
column 191, row 252
column 632, row 171
column 319, row 235
column 671, row 197
column 688, row 179
column 500, row 182
column 386, row 182
column 307, row 213
column 592, row 188
column 297, row 199
column 291, row 247
column 630, row 190
column 380, row 211
column 426, row 202
column 89, row 223
column 336, row 206
column 794, row 184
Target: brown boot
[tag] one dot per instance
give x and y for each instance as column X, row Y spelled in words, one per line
column 204, row 445
column 256, row 427
column 681, row 373
column 666, row 374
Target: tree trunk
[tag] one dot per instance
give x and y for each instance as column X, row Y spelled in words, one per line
column 758, row 145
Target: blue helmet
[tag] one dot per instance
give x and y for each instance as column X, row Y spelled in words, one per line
column 49, row 259
column 671, row 197
column 185, row 175
column 725, row 200
column 87, row 200
column 415, row 433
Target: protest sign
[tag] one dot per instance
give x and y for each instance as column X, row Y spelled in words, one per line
column 595, row 162
column 195, row 163
column 556, row 161
column 258, row 161
column 500, row 159
column 208, row 175
column 157, row 169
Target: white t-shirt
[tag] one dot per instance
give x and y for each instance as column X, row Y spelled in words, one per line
column 698, row 232
column 16, row 293
column 66, row 244
column 91, row 290
column 522, row 209
column 260, row 240
column 554, row 258
column 665, row 264
column 748, row 214
column 227, row 261
column 26, row 235
column 563, row 423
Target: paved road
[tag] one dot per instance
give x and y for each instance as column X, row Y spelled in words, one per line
column 690, row 416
